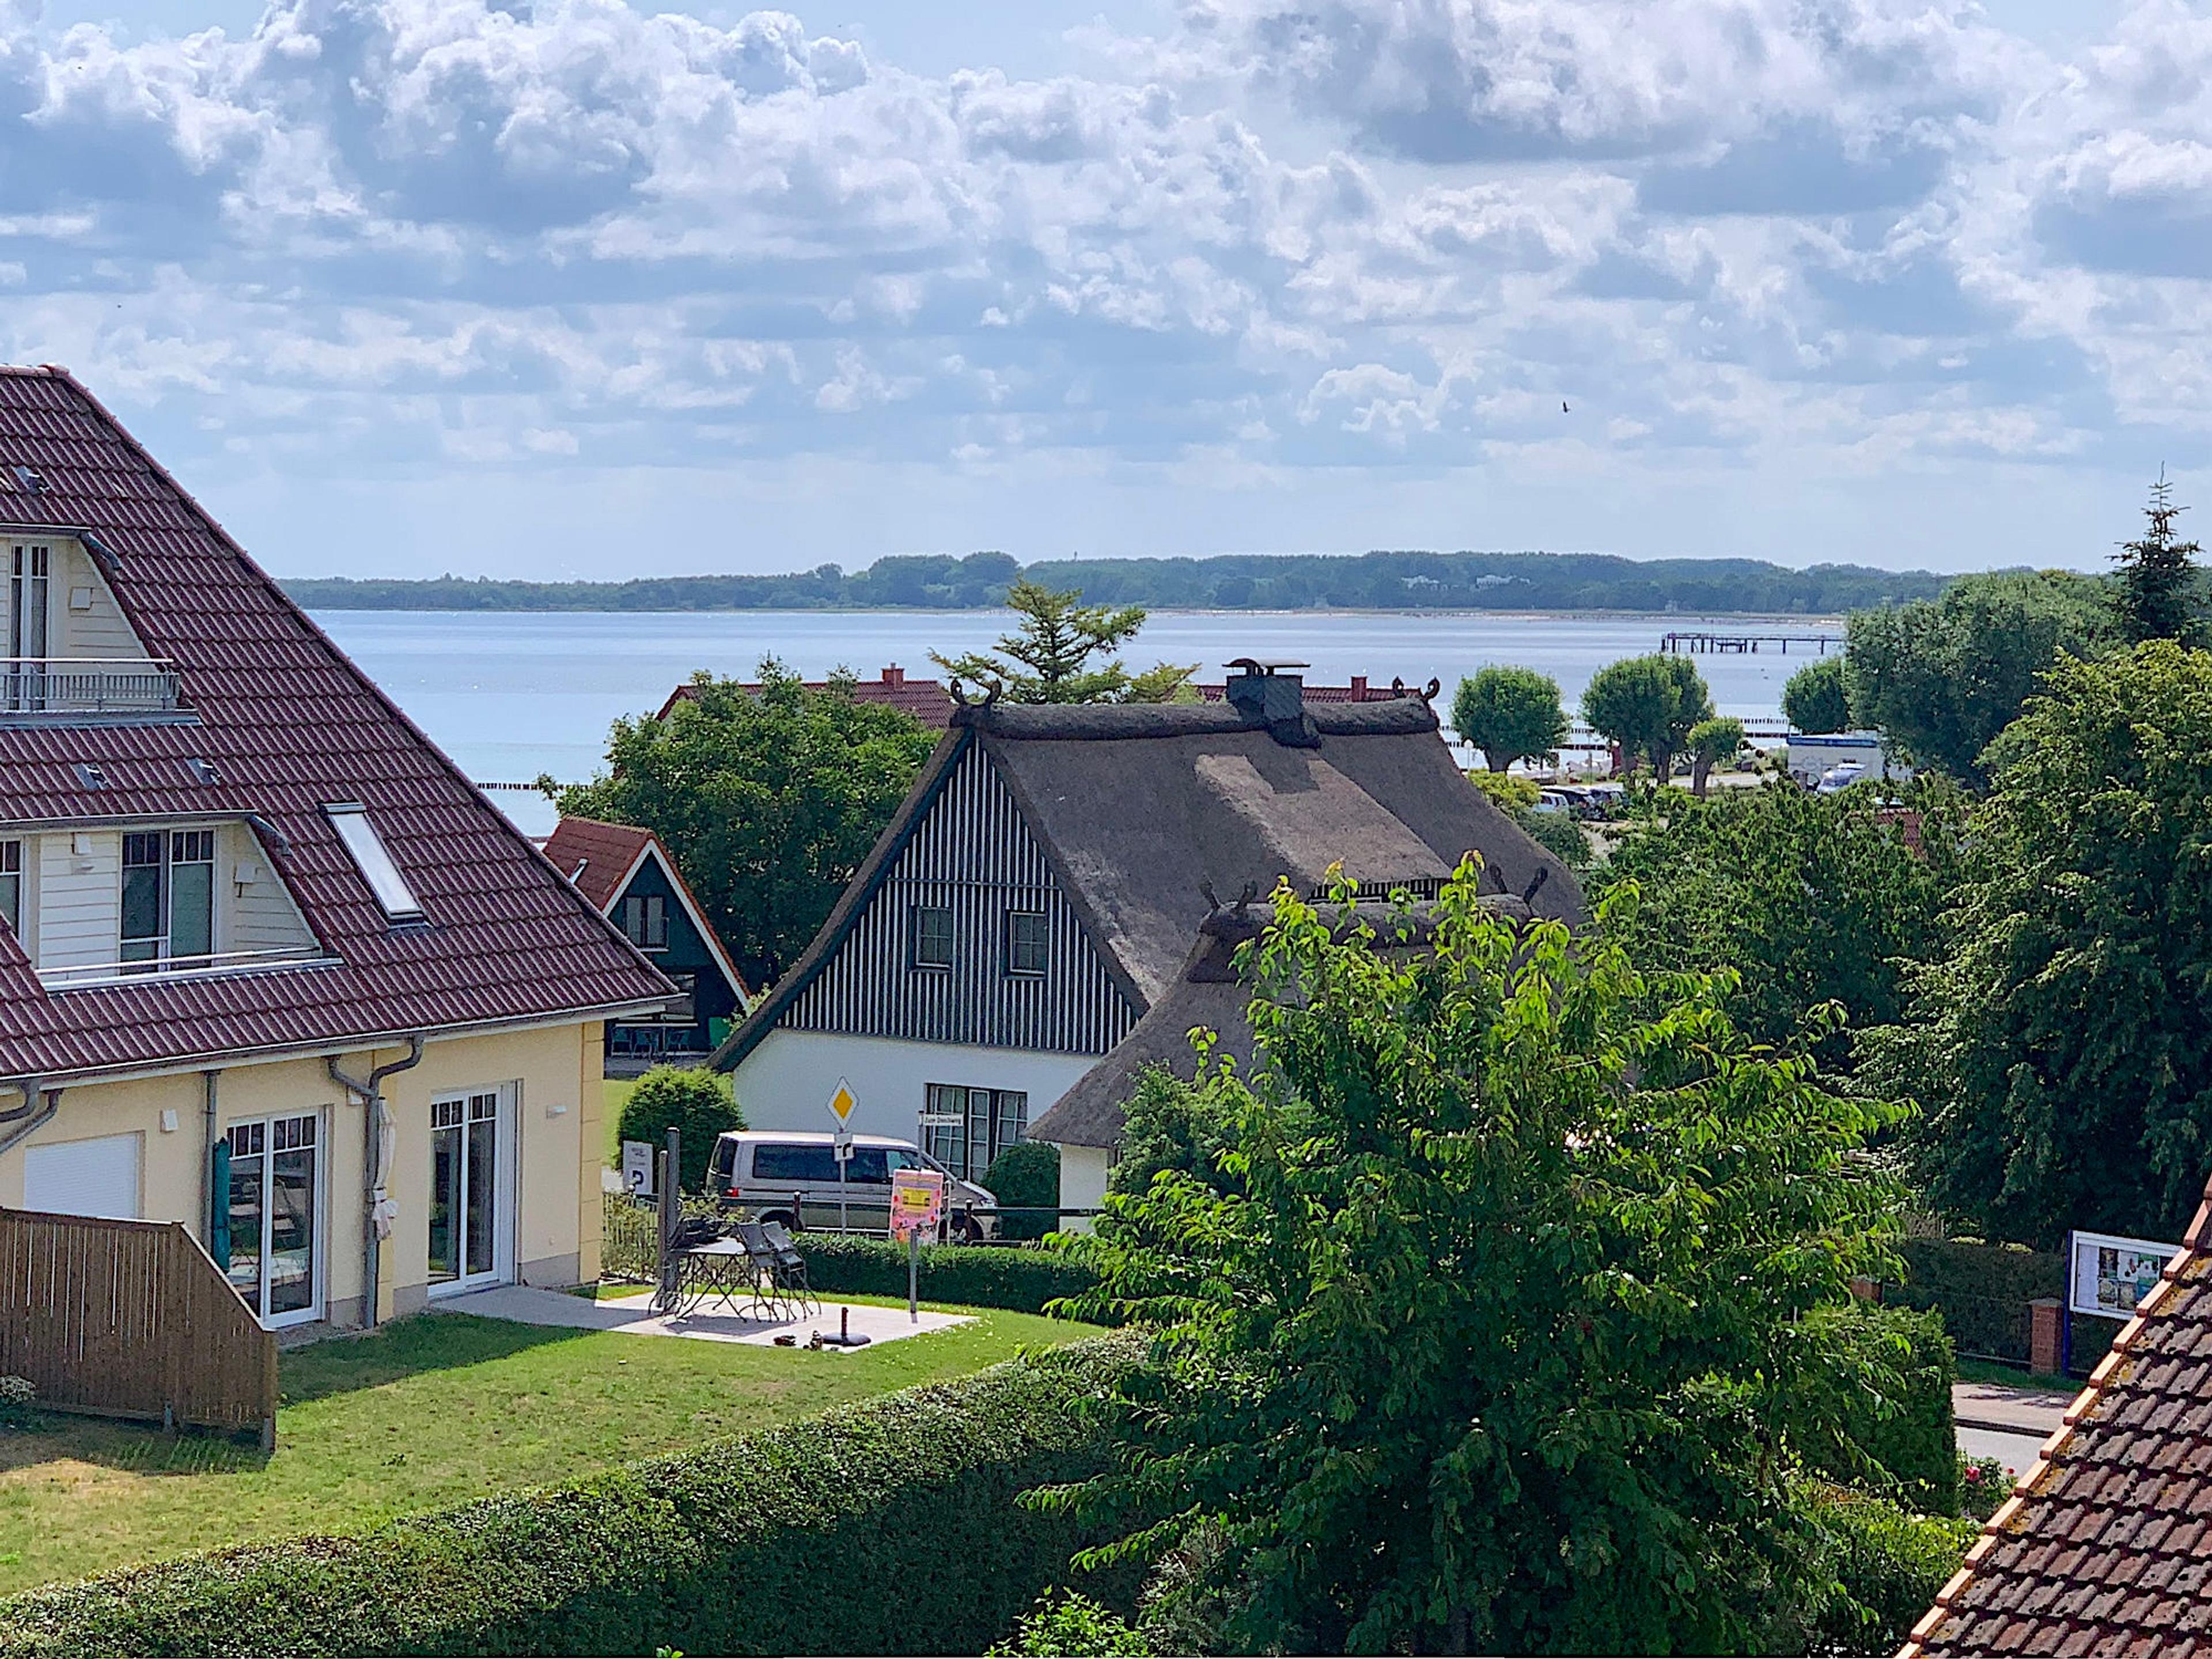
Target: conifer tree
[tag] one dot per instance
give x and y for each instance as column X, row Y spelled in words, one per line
column 2158, row 575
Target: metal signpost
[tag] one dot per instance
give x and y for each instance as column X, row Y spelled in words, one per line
column 917, row 1204
column 2106, row 1275
column 840, row 1107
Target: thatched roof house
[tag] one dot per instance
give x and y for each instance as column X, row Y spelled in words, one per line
column 1042, row 900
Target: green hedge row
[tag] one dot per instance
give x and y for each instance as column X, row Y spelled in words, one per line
column 1981, row 1289
column 1887, row 1564
column 1912, row 1436
column 969, row 1275
column 889, row 1527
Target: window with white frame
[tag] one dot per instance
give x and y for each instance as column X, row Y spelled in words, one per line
column 965, row 1129
column 1028, row 937
column 374, row 861
column 167, row 911
column 11, row 885
column 932, row 943
column 645, row 920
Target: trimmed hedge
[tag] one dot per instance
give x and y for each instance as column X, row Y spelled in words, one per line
column 1888, row 1565
column 889, row 1527
column 1913, row 1438
column 969, row 1275
column 1981, row 1289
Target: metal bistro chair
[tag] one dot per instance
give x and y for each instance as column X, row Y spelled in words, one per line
column 686, row 1279
column 790, row 1266
column 767, row 1288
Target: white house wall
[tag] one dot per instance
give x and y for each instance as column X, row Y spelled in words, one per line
column 80, row 897
column 786, row 1081
column 98, row 630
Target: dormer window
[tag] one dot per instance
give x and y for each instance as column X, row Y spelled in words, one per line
column 375, row 864
column 11, row 885
column 168, row 897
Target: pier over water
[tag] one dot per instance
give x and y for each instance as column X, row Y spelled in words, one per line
column 1699, row 644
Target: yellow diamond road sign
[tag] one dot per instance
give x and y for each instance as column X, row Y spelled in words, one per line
column 842, row 1103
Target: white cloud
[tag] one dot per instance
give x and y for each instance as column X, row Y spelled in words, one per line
column 1778, row 238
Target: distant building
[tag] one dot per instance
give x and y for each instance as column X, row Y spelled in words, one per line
column 628, row 878
column 1046, row 892
column 1812, row 757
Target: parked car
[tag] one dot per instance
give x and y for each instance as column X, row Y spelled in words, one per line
column 1837, row 779
column 792, row 1177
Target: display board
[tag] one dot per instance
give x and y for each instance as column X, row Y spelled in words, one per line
column 2108, row 1275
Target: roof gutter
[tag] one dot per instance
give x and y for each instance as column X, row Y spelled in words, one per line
column 38, row 1109
column 376, row 1157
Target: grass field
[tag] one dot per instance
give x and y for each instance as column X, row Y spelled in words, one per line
column 431, row 1411
column 1983, row 1371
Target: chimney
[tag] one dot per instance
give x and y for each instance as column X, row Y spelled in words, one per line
column 1273, row 692
column 1359, row 688
column 894, row 675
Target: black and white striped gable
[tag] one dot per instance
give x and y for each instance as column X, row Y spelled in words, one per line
column 971, row 855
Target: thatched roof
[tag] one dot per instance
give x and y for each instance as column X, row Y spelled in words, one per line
column 1151, row 816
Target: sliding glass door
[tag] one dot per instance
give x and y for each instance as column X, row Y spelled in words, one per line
column 471, row 1179
column 273, row 1209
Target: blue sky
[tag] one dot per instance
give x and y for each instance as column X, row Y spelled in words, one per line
column 577, row 288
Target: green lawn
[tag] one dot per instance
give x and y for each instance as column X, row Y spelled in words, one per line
column 1983, row 1371
column 431, row 1411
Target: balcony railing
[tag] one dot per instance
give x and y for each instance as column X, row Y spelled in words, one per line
column 85, row 685
column 79, row 974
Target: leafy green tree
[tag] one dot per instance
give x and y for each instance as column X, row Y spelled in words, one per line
column 767, row 800
column 1648, row 705
column 1064, row 1623
column 696, row 1103
column 1501, row 1345
column 2158, row 576
column 1025, row 1175
column 1807, row 899
column 1509, row 714
column 1050, row 656
column 2061, row 1042
column 1813, row 701
column 1939, row 679
column 1710, row 741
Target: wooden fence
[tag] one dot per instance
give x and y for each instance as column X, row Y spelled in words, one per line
column 131, row 1319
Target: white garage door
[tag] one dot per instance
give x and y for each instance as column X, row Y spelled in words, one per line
column 84, row 1177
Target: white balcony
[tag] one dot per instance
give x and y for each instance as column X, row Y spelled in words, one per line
column 80, row 976
column 65, row 688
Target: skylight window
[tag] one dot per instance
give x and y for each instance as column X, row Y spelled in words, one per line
column 397, row 899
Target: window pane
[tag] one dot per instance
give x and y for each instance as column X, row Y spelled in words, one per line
column 292, row 1229
column 445, row 1195
column 192, row 910
column 799, row 1162
column 11, row 901
column 142, row 902
column 482, row 1156
column 868, row 1164
column 393, row 895
column 633, row 919
column 246, row 1197
column 1025, row 941
column 932, row 936
column 656, row 921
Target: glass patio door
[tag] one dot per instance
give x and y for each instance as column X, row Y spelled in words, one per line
column 27, row 579
column 275, row 1224
column 470, row 1159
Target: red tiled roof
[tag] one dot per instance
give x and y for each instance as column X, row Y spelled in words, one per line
column 2105, row 1546
column 925, row 700
column 290, row 725
column 595, row 855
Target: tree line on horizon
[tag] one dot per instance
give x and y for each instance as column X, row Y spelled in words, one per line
column 1285, row 581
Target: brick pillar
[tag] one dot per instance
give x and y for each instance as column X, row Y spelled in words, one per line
column 2043, row 1335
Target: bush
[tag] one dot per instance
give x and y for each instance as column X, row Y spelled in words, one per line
column 18, row 1402
column 1066, row 1624
column 1904, row 1445
column 740, row 1546
column 973, row 1276
column 698, row 1104
column 1886, row 1565
column 1027, row 1172
column 1984, row 1484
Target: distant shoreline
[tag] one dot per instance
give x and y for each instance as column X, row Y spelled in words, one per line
column 1688, row 620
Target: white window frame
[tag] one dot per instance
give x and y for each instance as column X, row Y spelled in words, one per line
column 319, row 1287
column 357, row 832
column 506, row 1186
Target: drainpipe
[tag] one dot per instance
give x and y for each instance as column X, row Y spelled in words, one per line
column 377, row 1222
column 38, row 1109
column 207, row 1156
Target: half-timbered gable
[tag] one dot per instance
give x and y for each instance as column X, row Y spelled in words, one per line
column 968, row 939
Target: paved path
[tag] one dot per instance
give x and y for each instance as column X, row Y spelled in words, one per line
column 2008, row 1424
column 634, row 1315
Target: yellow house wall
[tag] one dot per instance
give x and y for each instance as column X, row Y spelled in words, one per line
column 555, row 1220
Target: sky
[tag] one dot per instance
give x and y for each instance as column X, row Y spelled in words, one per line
column 580, row 288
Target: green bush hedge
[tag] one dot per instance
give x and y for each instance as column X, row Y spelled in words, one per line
column 974, row 1276
column 1981, row 1289
column 1887, row 1564
column 1906, row 1445
column 889, row 1527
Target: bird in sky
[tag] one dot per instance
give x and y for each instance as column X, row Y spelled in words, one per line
column 1564, row 409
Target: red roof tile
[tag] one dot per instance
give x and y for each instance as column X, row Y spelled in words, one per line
column 2124, row 1492
column 595, row 855
column 290, row 725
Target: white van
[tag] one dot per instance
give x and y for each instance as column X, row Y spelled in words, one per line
column 790, row 1176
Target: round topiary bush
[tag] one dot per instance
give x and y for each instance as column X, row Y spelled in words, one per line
column 698, row 1103
column 1027, row 1172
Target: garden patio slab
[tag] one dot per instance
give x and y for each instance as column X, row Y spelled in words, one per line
column 634, row 1315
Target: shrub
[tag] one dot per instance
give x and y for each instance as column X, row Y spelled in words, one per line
column 973, row 1276
column 1066, row 1624
column 1027, row 1172
column 1901, row 1440
column 1984, row 1484
column 738, row 1546
column 1981, row 1289
column 1511, row 794
column 18, row 1402
column 698, row 1104
column 1885, row 1565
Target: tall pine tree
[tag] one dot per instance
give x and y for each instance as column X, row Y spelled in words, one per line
column 2158, row 575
